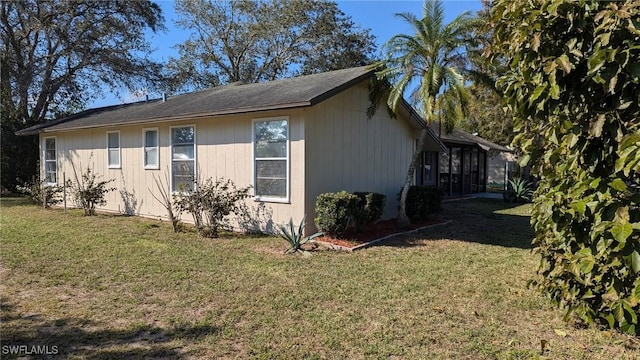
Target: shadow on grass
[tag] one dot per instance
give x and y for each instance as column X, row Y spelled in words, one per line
column 484, row 221
column 84, row 338
column 15, row 201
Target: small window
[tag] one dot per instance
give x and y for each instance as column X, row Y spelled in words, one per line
column 183, row 158
column 271, row 164
column 113, row 149
column 50, row 161
column 151, row 150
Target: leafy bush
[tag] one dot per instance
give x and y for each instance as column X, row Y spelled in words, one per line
column 334, row 212
column 573, row 86
column 295, row 238
column 423, row 200
column 210, row 203
column 42, row 193
column 88, row 191
column 369, row 209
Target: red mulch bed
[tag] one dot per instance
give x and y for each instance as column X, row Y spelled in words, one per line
column 374, row 231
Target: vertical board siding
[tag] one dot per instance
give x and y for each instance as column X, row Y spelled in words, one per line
column 347, row 151
column 224, row 149
column 333, row 146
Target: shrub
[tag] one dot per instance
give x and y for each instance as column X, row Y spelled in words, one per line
column 519, row 190
column 422, row 201
column 334, row 211
column 295, row 238
column 88, row 191
column 574, row 95
column 42, row 193
column 369, row 209
column 210, row 203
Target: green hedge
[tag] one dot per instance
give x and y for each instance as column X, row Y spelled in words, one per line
column 369, row 210
column 337, row 212
column 422, row 201
column 334, row 211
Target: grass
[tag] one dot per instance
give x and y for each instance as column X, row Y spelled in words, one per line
column 126, row 287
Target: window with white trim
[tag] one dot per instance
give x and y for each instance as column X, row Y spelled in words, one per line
column 183, row 158
column 113, row 149
column 151, row 149
column 50, row 161
column 271, row 159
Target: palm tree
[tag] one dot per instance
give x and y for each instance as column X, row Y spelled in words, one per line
column 428, row 65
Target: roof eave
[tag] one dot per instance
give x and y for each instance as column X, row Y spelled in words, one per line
column 170, row 118
column 346, row 85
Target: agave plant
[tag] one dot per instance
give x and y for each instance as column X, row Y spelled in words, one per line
column 295, row 237
column 521, row 189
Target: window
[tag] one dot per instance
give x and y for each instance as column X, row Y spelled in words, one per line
column 151, row 152
column 183, row 158
column 271, row 159
column 50, row 161
column 113, row 149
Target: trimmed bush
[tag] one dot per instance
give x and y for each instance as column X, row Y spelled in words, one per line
column 369, row 209
column 422, row 201
column 334, row 211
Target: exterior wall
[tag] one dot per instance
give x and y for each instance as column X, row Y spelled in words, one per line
column 224, row 148
column 333, row 146
column 346, row 151
column 496, row 161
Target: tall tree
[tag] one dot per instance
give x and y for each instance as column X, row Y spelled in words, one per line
column 254, row 41
column 56, row 55
column 487, row 116
column 574, row 88
column 424, row 64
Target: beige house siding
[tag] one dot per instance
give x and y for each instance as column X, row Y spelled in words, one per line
column 346, row 151
column 224, row 148
column 496, row 161
column 332, row 147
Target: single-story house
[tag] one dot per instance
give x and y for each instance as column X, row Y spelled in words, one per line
column 470, row 164
column 290, row 139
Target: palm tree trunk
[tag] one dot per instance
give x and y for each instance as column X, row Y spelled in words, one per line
column 403, row 220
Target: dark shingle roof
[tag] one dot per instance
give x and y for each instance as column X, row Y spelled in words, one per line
column 464, row 138
column 229, row 99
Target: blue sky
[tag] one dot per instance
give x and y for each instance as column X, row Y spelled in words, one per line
column 377, row 15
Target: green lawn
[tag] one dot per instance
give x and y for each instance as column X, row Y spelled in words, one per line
column 126, row 287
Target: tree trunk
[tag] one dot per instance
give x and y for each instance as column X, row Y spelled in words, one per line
column 403, row 220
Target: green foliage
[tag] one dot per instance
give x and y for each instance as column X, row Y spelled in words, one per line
column 519, row 190
column 57, row 55
column 210, row 203
column 487, row 116
column 423, row 201
column 425, row 64
column 42, row 193
column 334, row 211
column 88, row 191
column 573, row 88
column 369, row 209
column 295, row 238
column 340, row 211
column 255, row 41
